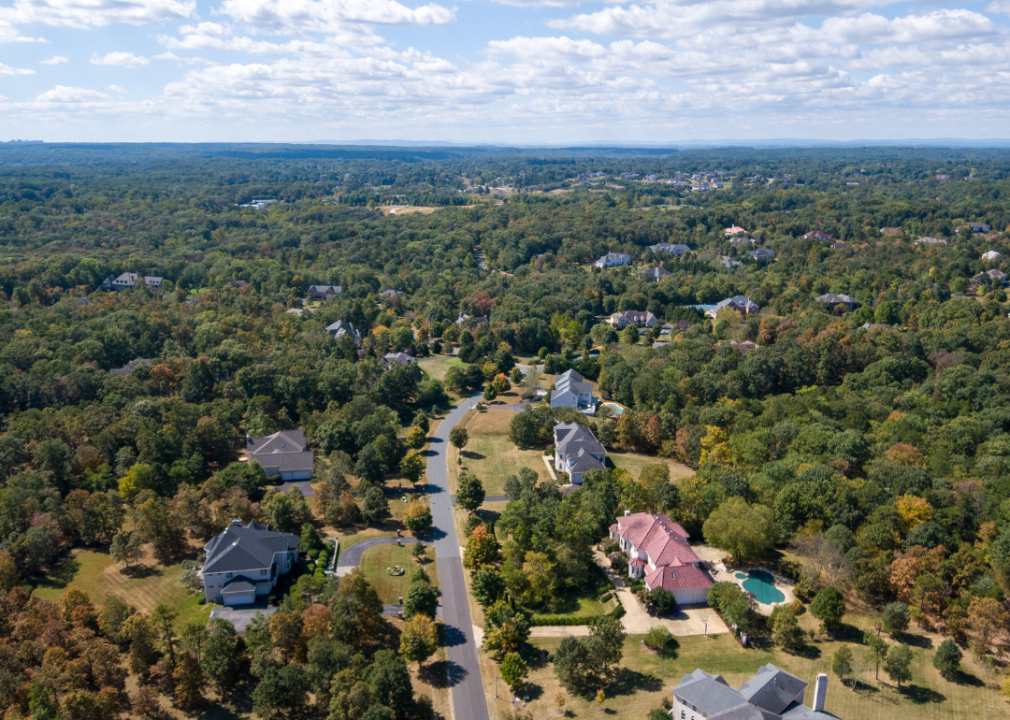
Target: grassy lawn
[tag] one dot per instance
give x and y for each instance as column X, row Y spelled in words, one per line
column 634, row 463
column 641, row 685
column 374, row 562
column 584, row 604
column 490, row 455
column 437, row 369
column 97, row 574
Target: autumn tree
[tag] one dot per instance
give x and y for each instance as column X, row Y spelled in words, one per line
column 419, row 639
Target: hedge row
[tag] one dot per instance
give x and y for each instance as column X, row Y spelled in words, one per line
column 568, row 620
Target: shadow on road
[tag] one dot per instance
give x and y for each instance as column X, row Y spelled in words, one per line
column 453, row 636
column 442, row 674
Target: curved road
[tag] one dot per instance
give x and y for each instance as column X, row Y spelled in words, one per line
column 351, row 557
column 468, row 700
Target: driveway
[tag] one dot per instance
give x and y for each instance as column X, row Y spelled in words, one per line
column 351, row 557
column 240, row 616
column 304, row 485
column 468, row 700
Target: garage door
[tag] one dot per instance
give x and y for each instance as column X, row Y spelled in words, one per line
column 240, row 598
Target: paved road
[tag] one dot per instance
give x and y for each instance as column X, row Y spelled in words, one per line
column 468, row 700
column 351, row 557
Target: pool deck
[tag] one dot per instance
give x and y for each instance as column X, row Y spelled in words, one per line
column 721, row 573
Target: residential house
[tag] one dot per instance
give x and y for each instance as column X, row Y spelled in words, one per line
column 738, row 303
column 761, row 254
column 391, row 293
column 639, row 318
column 772, row 694
column 655, row 274
column 577, row 451
column 666, row 248
column 838, row 246
column 613, row 259
column 128, row 368
column 398, row 358
column 730, row 263
column 324, row 292
column 833, row 300
column 734, row 231
column 299, row 312
column 818, row 235
column 244, row 562
column 129, row 280
column 943, row 176
column 572, row 390
column 283, row 454
column 930, row 241
column 876, row 326
column 743, row 240
column 744, row 347
column 991, row 255
column 658, row 550
column 979, row 227
column 996, row 277
column 471, row 321
column 340, row 328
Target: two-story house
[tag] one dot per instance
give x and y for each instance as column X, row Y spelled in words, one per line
column 284, row 454
column 577, row 451
column 129, row 280
column 324, row 292
column 341, row 327
column 613, row 259
column 572, row 390
column 772, row 694
column 244, row 562
column 658, row 550
column 737, row 302
column 675, row 249
column 639, row 318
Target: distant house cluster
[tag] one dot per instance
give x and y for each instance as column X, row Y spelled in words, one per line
column 577, row 451
column 128, row 281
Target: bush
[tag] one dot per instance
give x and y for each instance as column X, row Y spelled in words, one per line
column 471, row 524
column 797, row 607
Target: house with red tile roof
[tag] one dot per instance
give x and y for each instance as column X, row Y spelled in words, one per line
column 658, row 550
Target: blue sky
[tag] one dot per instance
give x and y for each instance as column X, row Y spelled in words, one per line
column 513, row 71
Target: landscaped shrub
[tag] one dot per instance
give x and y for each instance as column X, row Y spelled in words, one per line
column 472, row 523
column 797, row 607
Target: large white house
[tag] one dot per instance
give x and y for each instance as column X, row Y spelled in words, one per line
column 639, row 318
column 572, row 390
column 658, row 551
column 577, row 451
column 244, row 562
column 772, row 694
column 613, row 259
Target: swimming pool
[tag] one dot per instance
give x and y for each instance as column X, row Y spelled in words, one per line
column 762, row 584
column 617, row 409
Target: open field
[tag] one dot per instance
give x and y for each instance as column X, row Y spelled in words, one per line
column 97, row 574
column 375, row 560
column 437, row 369
column 406, row 209
column 489, row 454
column 634, row 463
column 641, row 684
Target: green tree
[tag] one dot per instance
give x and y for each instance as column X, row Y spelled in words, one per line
column 222, row 655
column 470, row 492
column 163, row 620
column 948, row 659
column 189, row 682
column 898, row 664
column 524, row 430
column 895, row 618
column 419, row 638
column 744, row 531
column 389, row 684
column 841, row 663
column 416, row 438
column 127, row 547
column 374, row 507
column 487, row 585
column 417, row 517
column 829, row 607
column 514, row 671
column 281, row 693
column 459, row 437
column 878, row 648
column 422, row 599
column 786, row 629
column 412, row 466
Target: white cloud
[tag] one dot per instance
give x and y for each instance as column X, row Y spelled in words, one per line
column 55, row 60
column 1000, row 7
column 122, row 59
column 117, row 89
column 8, row 70
column 95, row 13
column 290, row 16
column 959, row 24
column 65, row 94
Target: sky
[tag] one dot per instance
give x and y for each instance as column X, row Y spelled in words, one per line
column 502, row 71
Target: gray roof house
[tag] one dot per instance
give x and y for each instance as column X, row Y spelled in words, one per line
column 613, row 259
column 324, row 292
column 674, row 249
column 656, row 274
column 129, row 280
column 738, row 303
column 392, row 293
column 572, row 390
column 245, row 561
column 772, row 694
column 398, row 358
column 343, row 328
column 833, row 300
column 639, row 318
column 761, row 254
column 284, row 453
column 577, row 451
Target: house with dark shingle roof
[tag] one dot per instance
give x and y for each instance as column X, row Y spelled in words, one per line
column 324, row 292
column 658, row 550
column 833, row 300
column 676, row 249
column 244, row 562
column 343, row 328
column 772, row 694
column 656, row 274
column 398, row 358
column 639, row 318
column 129, row 280
column 577, row 451
column 283, row 454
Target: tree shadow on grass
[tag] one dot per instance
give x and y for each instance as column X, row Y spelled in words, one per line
column 471, row 455
column 920, row 695
column 61, row 575
column 919, row 641
column 807, row 652
column 965, row 678
column 628, row 682
column 442, row 674
column 138, row 572
column 863, row 687
column 847, row 633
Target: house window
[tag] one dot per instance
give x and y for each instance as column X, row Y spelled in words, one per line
column 263, row 572
column 230, row 575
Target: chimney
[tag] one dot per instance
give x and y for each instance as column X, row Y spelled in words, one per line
column 626, row 513
column 820, row 692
